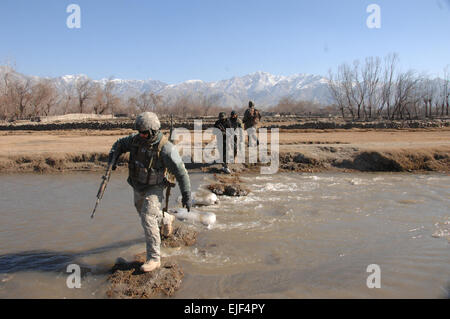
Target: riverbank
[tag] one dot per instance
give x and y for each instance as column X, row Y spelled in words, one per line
column 409, row 150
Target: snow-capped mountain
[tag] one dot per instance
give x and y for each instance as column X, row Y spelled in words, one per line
column 263, row 88
column 124, row 88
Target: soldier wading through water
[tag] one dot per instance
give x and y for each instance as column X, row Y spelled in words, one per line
column 152, row 156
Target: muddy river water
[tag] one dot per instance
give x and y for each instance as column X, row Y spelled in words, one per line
column 295, row 236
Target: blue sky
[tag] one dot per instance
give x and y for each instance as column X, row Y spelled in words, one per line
column 174, row 41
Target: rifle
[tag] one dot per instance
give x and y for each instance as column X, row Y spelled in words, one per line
column 105, row 181
column 221, row 126
column 170, row 184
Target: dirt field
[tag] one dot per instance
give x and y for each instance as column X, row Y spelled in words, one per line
column 87, row 149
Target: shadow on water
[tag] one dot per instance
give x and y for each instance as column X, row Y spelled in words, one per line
column 41, row 260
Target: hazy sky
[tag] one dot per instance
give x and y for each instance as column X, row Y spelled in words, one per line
column 174, row 41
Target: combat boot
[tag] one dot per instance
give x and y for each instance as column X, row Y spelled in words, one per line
column 167, row 225
column 150, row 265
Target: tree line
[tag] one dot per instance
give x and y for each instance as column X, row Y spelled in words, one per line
column 28, row 98
column 377, row 89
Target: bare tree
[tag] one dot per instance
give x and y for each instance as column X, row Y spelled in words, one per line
column 67, row 103
column 416, row 98
column 206, row 103
column 445, row 94
column 19, row 96
column 348, row 86
column 427, row 94
column 371, row 80
column 182, row 106
column 52, row 100
column 405, row 85
column 374, row 88
column 104, row 98
column 146, row 101
column 387, row 87
column 359, row 90
column 4, row 96
column 336, row 93
column 85, row 89
column 44, row 97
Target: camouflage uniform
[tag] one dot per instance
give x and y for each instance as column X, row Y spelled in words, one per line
column 147, row 177
column 238, row 126
column 251, row 119
column 251, row 116
column 222, row 124
column 236, row 123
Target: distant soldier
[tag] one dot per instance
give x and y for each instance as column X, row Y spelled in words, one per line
column 222, row 124
column 238, row 126
column 152, row 156
column 235, row 120
column 252, row 118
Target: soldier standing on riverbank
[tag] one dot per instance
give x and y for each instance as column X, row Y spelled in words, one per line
column 252, row 117
column 238, row 127
column 222, row 124
column 152, row 156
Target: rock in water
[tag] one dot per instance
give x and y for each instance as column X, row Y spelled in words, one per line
column 207, row 219
column 182, row 236
column 228, row 189
column 202, row 198
column 128, row 281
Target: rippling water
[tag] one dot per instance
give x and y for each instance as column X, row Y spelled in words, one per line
column 295, row 236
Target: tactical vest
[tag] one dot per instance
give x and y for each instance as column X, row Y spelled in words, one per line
column 252, row 118
column 236, row 123
column 144, row 166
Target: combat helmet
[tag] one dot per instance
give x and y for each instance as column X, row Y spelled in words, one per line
column 222, row 115
column 147, row 121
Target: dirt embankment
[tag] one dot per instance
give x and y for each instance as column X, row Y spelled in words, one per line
column 299, row 150
column 327, row 159
column 416, row 160
column 54, row 163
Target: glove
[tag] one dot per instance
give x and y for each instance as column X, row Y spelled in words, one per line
column 186, row 201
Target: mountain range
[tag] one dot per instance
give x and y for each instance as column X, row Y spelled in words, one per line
column 263, row 88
